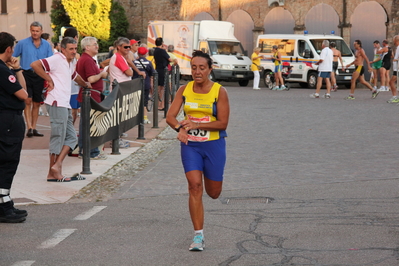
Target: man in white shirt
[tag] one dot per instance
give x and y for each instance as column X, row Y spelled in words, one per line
column 393, row 81
column 325, row 67
column 59, row 72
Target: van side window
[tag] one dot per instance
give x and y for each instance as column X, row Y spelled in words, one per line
column 286, row 47
column 204, row 47
column 304, row 49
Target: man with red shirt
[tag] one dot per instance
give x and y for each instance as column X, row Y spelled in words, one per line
column 89, row 71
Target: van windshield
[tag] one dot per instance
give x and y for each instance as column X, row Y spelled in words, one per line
column 225, row 48
column 340, row 45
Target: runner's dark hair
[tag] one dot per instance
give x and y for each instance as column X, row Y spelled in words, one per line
column 199, row 53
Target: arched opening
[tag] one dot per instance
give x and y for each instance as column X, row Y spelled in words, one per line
column 243, row 26
column 203, row 16
column 322, row 19
column 368, row 24
column 279, row 20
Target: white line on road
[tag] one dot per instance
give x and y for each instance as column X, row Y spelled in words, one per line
column 24, row 263
column 56, row 238
column 89, row 213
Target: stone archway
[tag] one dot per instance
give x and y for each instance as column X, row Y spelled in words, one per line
column 243, row 26
column 203, row 16
column 368, row 24
column 279, row 20
column 322, row 19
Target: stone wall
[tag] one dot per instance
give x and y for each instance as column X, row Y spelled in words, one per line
column 139, row 12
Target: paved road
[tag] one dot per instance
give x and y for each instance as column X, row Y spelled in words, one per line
column 307, row 182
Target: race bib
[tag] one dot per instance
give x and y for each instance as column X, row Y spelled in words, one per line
column 199, row 135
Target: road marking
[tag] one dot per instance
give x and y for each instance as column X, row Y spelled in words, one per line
column 24, row 263
column 89, row 213
column 57, row 238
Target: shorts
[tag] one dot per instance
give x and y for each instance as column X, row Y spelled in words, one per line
column 335, row 66
column 377, row 65
column 386, row 65
column 277, row 68
column 74, row 101
column 208, row 157
column 62, row 129
column 161, row 77
column 360, row 69
column 323, row 74
column 395, row 73
column 34, row 85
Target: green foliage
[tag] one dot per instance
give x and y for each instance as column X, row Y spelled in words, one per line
column 119, row 26
column 119, row 23
column 59, row 19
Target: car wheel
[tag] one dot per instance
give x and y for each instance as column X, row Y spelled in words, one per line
column 312, row 80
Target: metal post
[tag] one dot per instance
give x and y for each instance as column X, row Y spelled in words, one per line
column 166, row 92
column 141, row 111
column 115, row 142
column 85, row 116
column 156, row 100
column 173, row 82
column 177, row 77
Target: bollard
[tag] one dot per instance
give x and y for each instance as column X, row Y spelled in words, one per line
column 166, row 92
column 85, row 116
column 141, row 111
column 155, row 98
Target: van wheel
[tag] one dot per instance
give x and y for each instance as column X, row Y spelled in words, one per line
column 312, row 80
column 243, row 83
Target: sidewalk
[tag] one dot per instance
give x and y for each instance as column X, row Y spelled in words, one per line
column 30, row 185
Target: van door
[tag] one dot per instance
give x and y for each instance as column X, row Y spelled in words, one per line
column 304, row 58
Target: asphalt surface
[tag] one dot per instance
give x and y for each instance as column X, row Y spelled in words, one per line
column 307, row 182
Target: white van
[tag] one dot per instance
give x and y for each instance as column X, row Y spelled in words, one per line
column 213, row 37
column 302, row 52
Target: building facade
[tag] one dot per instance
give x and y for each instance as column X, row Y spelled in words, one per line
column 351, row 19
column 17, row 15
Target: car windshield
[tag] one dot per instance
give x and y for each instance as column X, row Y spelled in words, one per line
column 340, row 45
column 225, row 48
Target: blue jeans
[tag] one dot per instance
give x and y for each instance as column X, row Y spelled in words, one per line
column 93, row 152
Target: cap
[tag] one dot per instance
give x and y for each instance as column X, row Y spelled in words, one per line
column 133, row 41
column 142, row 50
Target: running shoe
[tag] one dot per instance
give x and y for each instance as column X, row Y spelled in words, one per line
column 256, row 89
column 314, row 95
column 146, row 121
column 350, row 97
column 334, row 88
column 276, row 88
column 393, row 100
column 283, row 88
column 327, row 96
column 375, row 94
column 198, row 243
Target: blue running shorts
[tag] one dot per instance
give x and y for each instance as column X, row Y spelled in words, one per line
column 208, row 157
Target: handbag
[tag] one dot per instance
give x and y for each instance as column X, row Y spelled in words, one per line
column 260, row 68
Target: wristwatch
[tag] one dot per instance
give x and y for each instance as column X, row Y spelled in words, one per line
column 178, row 127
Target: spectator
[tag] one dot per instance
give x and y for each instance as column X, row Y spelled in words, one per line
column 255, row 67
column 162, row 60
column 57, row 47
column 144, row 65
column 12, row 127
column 325, row 67
column 32, row 49
column 57, row 70
column 90, row 72
column 73, row 33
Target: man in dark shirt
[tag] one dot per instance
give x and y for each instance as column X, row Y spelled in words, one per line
column 143, row 64
column 12, row 126
column 162, row 60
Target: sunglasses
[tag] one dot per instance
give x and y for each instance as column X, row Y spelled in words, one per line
column 127, row 47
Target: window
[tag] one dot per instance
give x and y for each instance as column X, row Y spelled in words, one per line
column 29, row 6
column 304, row 49
column 43, row 6
column 285, row 46
column 3, row 6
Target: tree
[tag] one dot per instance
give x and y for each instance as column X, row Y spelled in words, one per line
column 59, row 19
